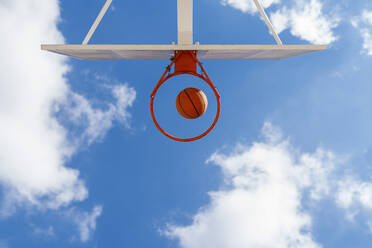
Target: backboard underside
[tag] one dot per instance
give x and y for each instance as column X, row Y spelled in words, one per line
column 163, row 52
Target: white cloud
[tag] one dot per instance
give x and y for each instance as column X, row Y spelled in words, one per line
column 43, row 232
column 272, row 133
column 34, row 146
column 307, row 21
column 267, row 187
column 364, row 24
column 260, row 205
column 86, row 222
column 248, row 5
column 96, row 122
column 355, row 197
column 367, row 16
column 352, row 192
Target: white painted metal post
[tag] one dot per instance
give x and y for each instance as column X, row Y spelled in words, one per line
column 267, row 21
column 97, row 21
column 185, row 22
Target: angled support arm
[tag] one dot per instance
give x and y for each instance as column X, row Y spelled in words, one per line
column 267, row 21
column 97, row 21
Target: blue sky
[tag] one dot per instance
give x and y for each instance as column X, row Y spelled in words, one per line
column 288, row 165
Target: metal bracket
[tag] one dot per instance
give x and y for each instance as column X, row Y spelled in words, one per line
column 97, row 21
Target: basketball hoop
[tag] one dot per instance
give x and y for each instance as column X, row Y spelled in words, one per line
column 185, row 53
column 185, row 63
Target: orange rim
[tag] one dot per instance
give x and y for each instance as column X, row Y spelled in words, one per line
column 206, row 79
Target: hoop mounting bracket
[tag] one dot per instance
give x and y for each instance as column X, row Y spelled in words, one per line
column 185, row 61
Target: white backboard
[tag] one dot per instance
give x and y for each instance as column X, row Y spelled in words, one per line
column 154, row 52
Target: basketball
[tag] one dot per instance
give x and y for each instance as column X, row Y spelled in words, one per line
column 191, row 103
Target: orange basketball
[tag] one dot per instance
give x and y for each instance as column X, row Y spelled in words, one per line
column 191, row 103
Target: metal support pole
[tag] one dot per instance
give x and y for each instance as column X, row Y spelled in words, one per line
column 267, row 21
column 97, row 21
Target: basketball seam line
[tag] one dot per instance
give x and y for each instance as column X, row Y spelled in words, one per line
column 179, row 103
column 202, row 101
column 197, row 112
